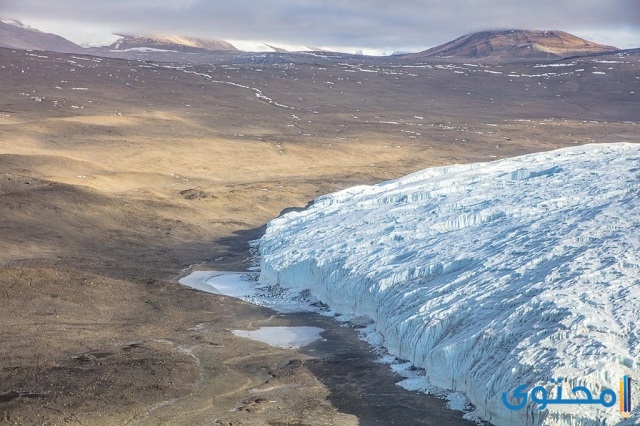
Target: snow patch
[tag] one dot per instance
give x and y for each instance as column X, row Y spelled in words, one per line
column 140, row 49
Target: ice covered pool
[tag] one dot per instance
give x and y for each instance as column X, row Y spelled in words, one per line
column 283, row 337
column 234, row 284
column 240, row 285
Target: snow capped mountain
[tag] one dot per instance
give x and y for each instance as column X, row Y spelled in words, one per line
column 14, row 34
column 489, row 275
column 175, row 43
column 170, row 43
column 259, row 46
column 15, row 23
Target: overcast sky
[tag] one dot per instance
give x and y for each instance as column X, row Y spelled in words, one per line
column 371, row 25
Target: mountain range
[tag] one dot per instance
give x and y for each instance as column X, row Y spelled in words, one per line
column 488, row 46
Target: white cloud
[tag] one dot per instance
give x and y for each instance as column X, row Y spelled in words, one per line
column 622, row 38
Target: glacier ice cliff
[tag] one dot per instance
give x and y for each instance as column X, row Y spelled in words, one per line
column 487, row 275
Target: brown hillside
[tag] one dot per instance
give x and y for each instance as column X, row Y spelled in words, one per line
column 514, row 45
column 16, row 36
column 171, row 42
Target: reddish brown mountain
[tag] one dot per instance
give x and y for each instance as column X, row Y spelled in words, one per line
column 513, row 45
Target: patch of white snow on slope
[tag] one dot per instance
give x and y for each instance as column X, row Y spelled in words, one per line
column 487, row 275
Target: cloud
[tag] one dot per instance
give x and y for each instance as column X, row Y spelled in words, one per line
column 396, row 24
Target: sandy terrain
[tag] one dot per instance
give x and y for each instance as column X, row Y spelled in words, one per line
column 117, row 175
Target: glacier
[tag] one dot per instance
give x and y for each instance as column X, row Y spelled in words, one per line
column 487, row 275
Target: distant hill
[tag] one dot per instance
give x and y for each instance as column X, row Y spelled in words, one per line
column 488, row 46
column 15, row 35
column 170, row 43
column 513, row 45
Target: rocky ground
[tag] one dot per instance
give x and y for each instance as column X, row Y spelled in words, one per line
column 117, row 175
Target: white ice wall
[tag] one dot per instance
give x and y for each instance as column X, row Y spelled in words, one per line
column 487, row 275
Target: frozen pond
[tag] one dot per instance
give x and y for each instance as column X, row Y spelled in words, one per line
column 234, row 284
column 241, row 285
column 283, row 337
column 244, row 285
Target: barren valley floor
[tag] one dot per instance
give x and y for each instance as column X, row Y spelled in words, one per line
column 116, row 175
